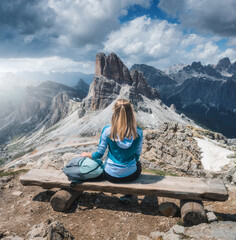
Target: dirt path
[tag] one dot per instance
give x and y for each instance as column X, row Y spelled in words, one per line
column 94, row 215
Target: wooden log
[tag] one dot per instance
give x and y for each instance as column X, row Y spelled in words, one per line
column 63, row 199
column 192, row 212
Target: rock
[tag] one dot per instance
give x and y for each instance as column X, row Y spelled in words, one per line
column 13, row 238
column 6, row 179
column 49, row 230
column 178, row 229
column 216, row 230
column 110, row 75
column 112, row 67
column 141, row 87
column 17, row 193
column 142, row 237
column 173, row 150
column 157, row 235
column 9, row 186
column 168, row 209
column 211, row 217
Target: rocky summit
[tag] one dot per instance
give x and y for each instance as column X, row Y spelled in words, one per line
column 110, row 75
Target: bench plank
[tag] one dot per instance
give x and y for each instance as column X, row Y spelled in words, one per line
column 153, row 185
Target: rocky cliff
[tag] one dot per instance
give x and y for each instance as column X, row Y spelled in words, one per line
column 110, row 75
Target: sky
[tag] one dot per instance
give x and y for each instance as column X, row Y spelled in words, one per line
column 65, row 35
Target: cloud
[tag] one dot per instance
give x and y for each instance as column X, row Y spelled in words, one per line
column 161, row 44
column 65, row 28
column 46, row 65
column 84, row 22
column 208, row 16
column 25, row 17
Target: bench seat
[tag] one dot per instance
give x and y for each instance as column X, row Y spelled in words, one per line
column 152, row 185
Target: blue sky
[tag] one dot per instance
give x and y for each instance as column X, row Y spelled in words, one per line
column 52, row 35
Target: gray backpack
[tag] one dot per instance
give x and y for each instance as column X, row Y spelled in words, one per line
column 83, row 168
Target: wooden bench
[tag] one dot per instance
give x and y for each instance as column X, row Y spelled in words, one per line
column 190, row 191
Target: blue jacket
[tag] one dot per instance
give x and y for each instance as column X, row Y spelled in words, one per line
column 122, row 155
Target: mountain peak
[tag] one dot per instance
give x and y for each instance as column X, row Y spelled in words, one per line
column 112, row 67
column 223, row 64
column 196, row 65
column 111, row 75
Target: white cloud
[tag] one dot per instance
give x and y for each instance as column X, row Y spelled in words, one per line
column 82, row 22
column 46, row 65
column 162, row 44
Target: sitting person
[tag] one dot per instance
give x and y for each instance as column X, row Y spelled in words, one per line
column 124, row 140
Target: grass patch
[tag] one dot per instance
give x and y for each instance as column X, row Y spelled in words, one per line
column 12, row 172
column 159, row 172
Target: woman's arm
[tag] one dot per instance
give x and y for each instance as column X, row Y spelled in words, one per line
column 140, row 144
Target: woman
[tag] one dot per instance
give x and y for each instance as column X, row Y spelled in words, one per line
column 124, row 140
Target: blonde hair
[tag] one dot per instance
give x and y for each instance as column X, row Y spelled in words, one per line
column 123, row 122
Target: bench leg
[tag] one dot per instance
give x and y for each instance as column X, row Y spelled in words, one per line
column 192, row 212
column 63, row 199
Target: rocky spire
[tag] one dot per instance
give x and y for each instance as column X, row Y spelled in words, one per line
column 112, row 67
column 141, row 86
column 111, row 75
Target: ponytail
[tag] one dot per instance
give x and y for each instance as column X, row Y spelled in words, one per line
column 123, row 122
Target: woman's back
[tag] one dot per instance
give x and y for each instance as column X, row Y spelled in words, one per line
column 124, row 141
column 122, row 152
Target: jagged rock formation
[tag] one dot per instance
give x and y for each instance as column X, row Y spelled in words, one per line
column 112, row 67
column 110, row 75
